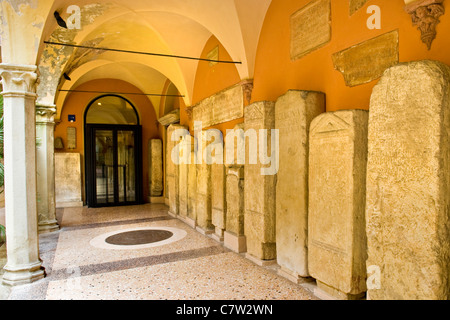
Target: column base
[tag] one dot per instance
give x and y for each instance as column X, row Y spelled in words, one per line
column 16, row 276
column 218, row 235
column 325, row 292
column 259, row 262
column 47, row 227
column 70, row 204
column 293, row 276
column 235, row 243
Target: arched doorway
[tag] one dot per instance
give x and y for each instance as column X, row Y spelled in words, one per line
column 113, row 150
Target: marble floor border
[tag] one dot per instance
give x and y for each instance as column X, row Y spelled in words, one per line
column 116, row 223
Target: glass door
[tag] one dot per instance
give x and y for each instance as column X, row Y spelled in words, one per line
column 113, row 166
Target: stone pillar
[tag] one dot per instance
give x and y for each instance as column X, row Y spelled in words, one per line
column 155, row 170
column 337, row 249
column 259, row 218
column 234, row 237
column 45, row 164
column 203, row 200
column 19, row 87
column 408, row 183
column 294, row 112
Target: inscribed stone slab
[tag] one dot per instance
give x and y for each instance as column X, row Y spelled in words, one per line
column 259, row 219
column 355, row 5
column 155, row 168
column 407, row 217
column 68, row 179
column 294, row 112
column 310, row 28
column 367, row 61
column 221, row 107
column 337, row 174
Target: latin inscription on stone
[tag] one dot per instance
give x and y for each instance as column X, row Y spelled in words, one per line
column 71, row 138
column 367, row 61
column 222, row 107
column 310, row 28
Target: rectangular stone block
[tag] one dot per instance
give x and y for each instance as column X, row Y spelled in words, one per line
column 155, row 167
column 68, row 180
column 294, row 112
column 192, row 191
column 337, row 175
column 203, row 205
column 234, row 237
column 367, row 61
column 173, row 169
column 218, row 182
column 221, row 107
column 310, row 28
column 408, row 183
column 259, row 218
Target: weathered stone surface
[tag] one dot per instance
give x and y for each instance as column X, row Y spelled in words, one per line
column 219, row 206
column 294, row 112
column 337, row 173
column 355, row 5
column 221, row 107
column 234, row 237
column 68, row 180
column 183, row 196
column 192, row 190
column 203, row 204
column 310, row 28
column 367, row 61
column 155, row 167
column 170, row 118
column 172, row 169
column 407, row 217
column 259, row 218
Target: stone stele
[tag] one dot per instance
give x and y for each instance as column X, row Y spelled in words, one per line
column 259, row 218
column 218, row 203
column 203, row 200
column 294, row 112
column 68, row 180
column 310, row 28
column 173, row 170
column 408, row 184
column 183, row 179
column 155, row 168
column 337, row 175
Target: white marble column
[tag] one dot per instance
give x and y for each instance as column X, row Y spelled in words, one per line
column 45, row 165
column 19, row 94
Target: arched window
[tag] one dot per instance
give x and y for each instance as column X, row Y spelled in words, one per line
column 111, row 109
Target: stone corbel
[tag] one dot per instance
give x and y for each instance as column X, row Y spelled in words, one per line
column 425, row 15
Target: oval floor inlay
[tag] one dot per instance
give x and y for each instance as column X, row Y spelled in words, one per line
column 138, row 238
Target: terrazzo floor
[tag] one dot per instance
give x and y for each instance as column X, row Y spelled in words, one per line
column 196, row 267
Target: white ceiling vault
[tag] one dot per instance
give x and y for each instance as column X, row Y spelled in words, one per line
column 172, row 27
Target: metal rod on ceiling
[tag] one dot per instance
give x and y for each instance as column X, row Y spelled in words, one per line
column 130, row 93
column 139, row 52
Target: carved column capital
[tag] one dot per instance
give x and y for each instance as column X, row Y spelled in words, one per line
column 45, row 114
column 18, row 79
column 425, row 15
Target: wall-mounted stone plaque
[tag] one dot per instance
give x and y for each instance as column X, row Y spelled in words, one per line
column 71, row 138
column 213, row 55
column 310, row 28
column 367, row 61
column 224, row 106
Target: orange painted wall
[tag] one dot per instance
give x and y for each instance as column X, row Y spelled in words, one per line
column 212, row 79
column 76, row 104
column 275, row 73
